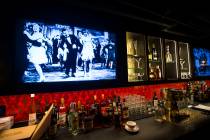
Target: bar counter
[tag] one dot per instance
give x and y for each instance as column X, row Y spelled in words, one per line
column 195, row 126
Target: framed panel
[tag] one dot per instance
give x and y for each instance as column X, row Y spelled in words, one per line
column 136, row 57
column 184, row 60
column 171, row 57
column 155, row 58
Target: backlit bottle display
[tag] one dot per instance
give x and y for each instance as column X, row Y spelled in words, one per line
column 136, row 57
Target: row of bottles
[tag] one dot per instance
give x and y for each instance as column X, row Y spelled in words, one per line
column 169, row 57
column 152, row 55
column 79, row 117
column 114, row 111
column 199, row 90
column 169, row 107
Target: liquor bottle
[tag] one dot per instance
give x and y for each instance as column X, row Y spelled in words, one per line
column 149, row 54
column 87, row 122
column 174, row 111
column 158, row 72
column 168, row 55
column 160, row 112
column 116, row 113
column 96, row 111
column 155, row 100
column 154, row 52
column 62, row 113
column 152, row 75
column 54, row 119
column 104, row 111
column 110, row 111
column 32, row 113
column 119, row 107
column 73, row 119
column 125, row 114
column 39, row 113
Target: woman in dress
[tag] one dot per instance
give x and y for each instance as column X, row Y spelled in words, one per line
column 37, row 53
column 87, row 53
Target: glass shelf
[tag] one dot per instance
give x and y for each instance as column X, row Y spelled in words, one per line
column 184, row 60
column 136, row 57
column 137, row 68
column 154, row 61
column 171, row 58
column 155, row 57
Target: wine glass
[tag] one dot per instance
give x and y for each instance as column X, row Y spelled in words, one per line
column 135, row 47
column 138, row 60
column 182, row 61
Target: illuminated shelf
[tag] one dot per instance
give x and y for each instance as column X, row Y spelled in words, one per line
column 137, row 68
column 154, row 61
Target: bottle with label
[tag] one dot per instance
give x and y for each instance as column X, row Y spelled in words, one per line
column 73, row 119
column 155, row 100
column 62, row 113
column 154, row 53
column 32, row 113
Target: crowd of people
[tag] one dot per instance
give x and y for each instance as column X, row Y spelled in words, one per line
column 71, row 50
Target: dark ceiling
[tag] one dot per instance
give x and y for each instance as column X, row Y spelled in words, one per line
column 187, row 20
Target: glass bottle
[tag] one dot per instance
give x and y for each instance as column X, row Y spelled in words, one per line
column 62, row 113
column 150, row 54
column 168, row 55
column 174, row 111
column 160, row 112
column 155, row 100
column 116, row 108
column 110, row 112
column 151, row 73
column 87, row 122
column 125, row 114
column 154, row 52
column 158, row 72
column 54, row 119
column 73, row 119
column 39, row 113
column 32, row 113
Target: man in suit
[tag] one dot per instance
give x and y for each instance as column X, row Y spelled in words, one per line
column 70, row 40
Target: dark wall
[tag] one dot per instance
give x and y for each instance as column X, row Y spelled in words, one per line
column 65, row 11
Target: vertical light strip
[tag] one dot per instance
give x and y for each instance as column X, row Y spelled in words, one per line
column 161, row 57
column 127, row 36
column 176, row 60
column 188, row 56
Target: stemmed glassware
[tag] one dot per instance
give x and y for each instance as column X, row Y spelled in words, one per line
column 135, row 47
column 138, row 60
column 182, row 61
